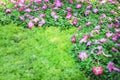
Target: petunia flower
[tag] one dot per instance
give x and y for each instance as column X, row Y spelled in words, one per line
column 89, row 7
column 36, row 9
column 114, row 49
column 87, row 12
column 46, row 0
column 88, row 43
column 73, row 40
column 55, row 8
column 8, row 11
column 13, row 1
column 83, row 55
column 103, row 40
column 109, row 34
column 16, row 6
column 110, row 25
column 118, row 45
column 44, row 7
column 101, row 21
column 21, row 8
column 54, row 15
column 21, row 2
column 36, row 20
column 111, row 67
column 118, row 7
column 42, row 15
column 103, row 16
column 94, row 31
column 117, row 23
column 78, row 6
column 79, row 28
column 71, row 1
column 58, row 3
column 97, row 70
column 88, row 23
column 21, row 18
column 68, row 8
column 75, row 22
column 98, row 27
column 69, row 15
column 112, row 12
column 115, row 38
column 84, row 39
column 30, row 24
column 95, row 10
column 28, row 10
column 41, row 23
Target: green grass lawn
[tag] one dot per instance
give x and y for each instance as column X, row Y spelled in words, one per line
column 37, row 54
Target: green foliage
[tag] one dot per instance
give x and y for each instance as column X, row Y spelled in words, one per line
column 37, row 54
column 93, row 59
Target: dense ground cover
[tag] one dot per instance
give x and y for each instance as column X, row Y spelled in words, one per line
column 96, row 42
column 37, row 54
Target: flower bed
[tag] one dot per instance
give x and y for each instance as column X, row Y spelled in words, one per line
column 96, row 42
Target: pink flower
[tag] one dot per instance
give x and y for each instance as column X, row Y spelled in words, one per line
column 101, row 21
column 79, row 28
column 88, row 23
column 42, row 15
column 58, row 3
column 21, row 18
column 103, row 40
column 36, row 20
column 87, row 12
column 21, row 2
column 75, row 22
column 68, row 8
column 30, row 24
column 54, row 15
column 97, row 70
column 13, row 1
column 46, row 0
column 84, row 39
column 88, row 43
column 109, row 34
column 94, row 31
column 83, row 55
column 110, row 25
column 95, row 10
column 28, row 10
column 41, row 23
column 115, row 38
column 71, row 1
column 8, row 11
column 16, row 6
column 21, row 8
column 118, row 7
column 118, row 45
column 73, row 40
column 55, row 8
column 98, row 27
column 112, row 12
column 69, row 15
column 117, row 23
column 89, row 7
column 114, row 49
column 103, row 16
column 44, row 7
column 110, row 66
column 78, row 6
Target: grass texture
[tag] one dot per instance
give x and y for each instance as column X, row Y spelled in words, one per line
column 37, row 54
